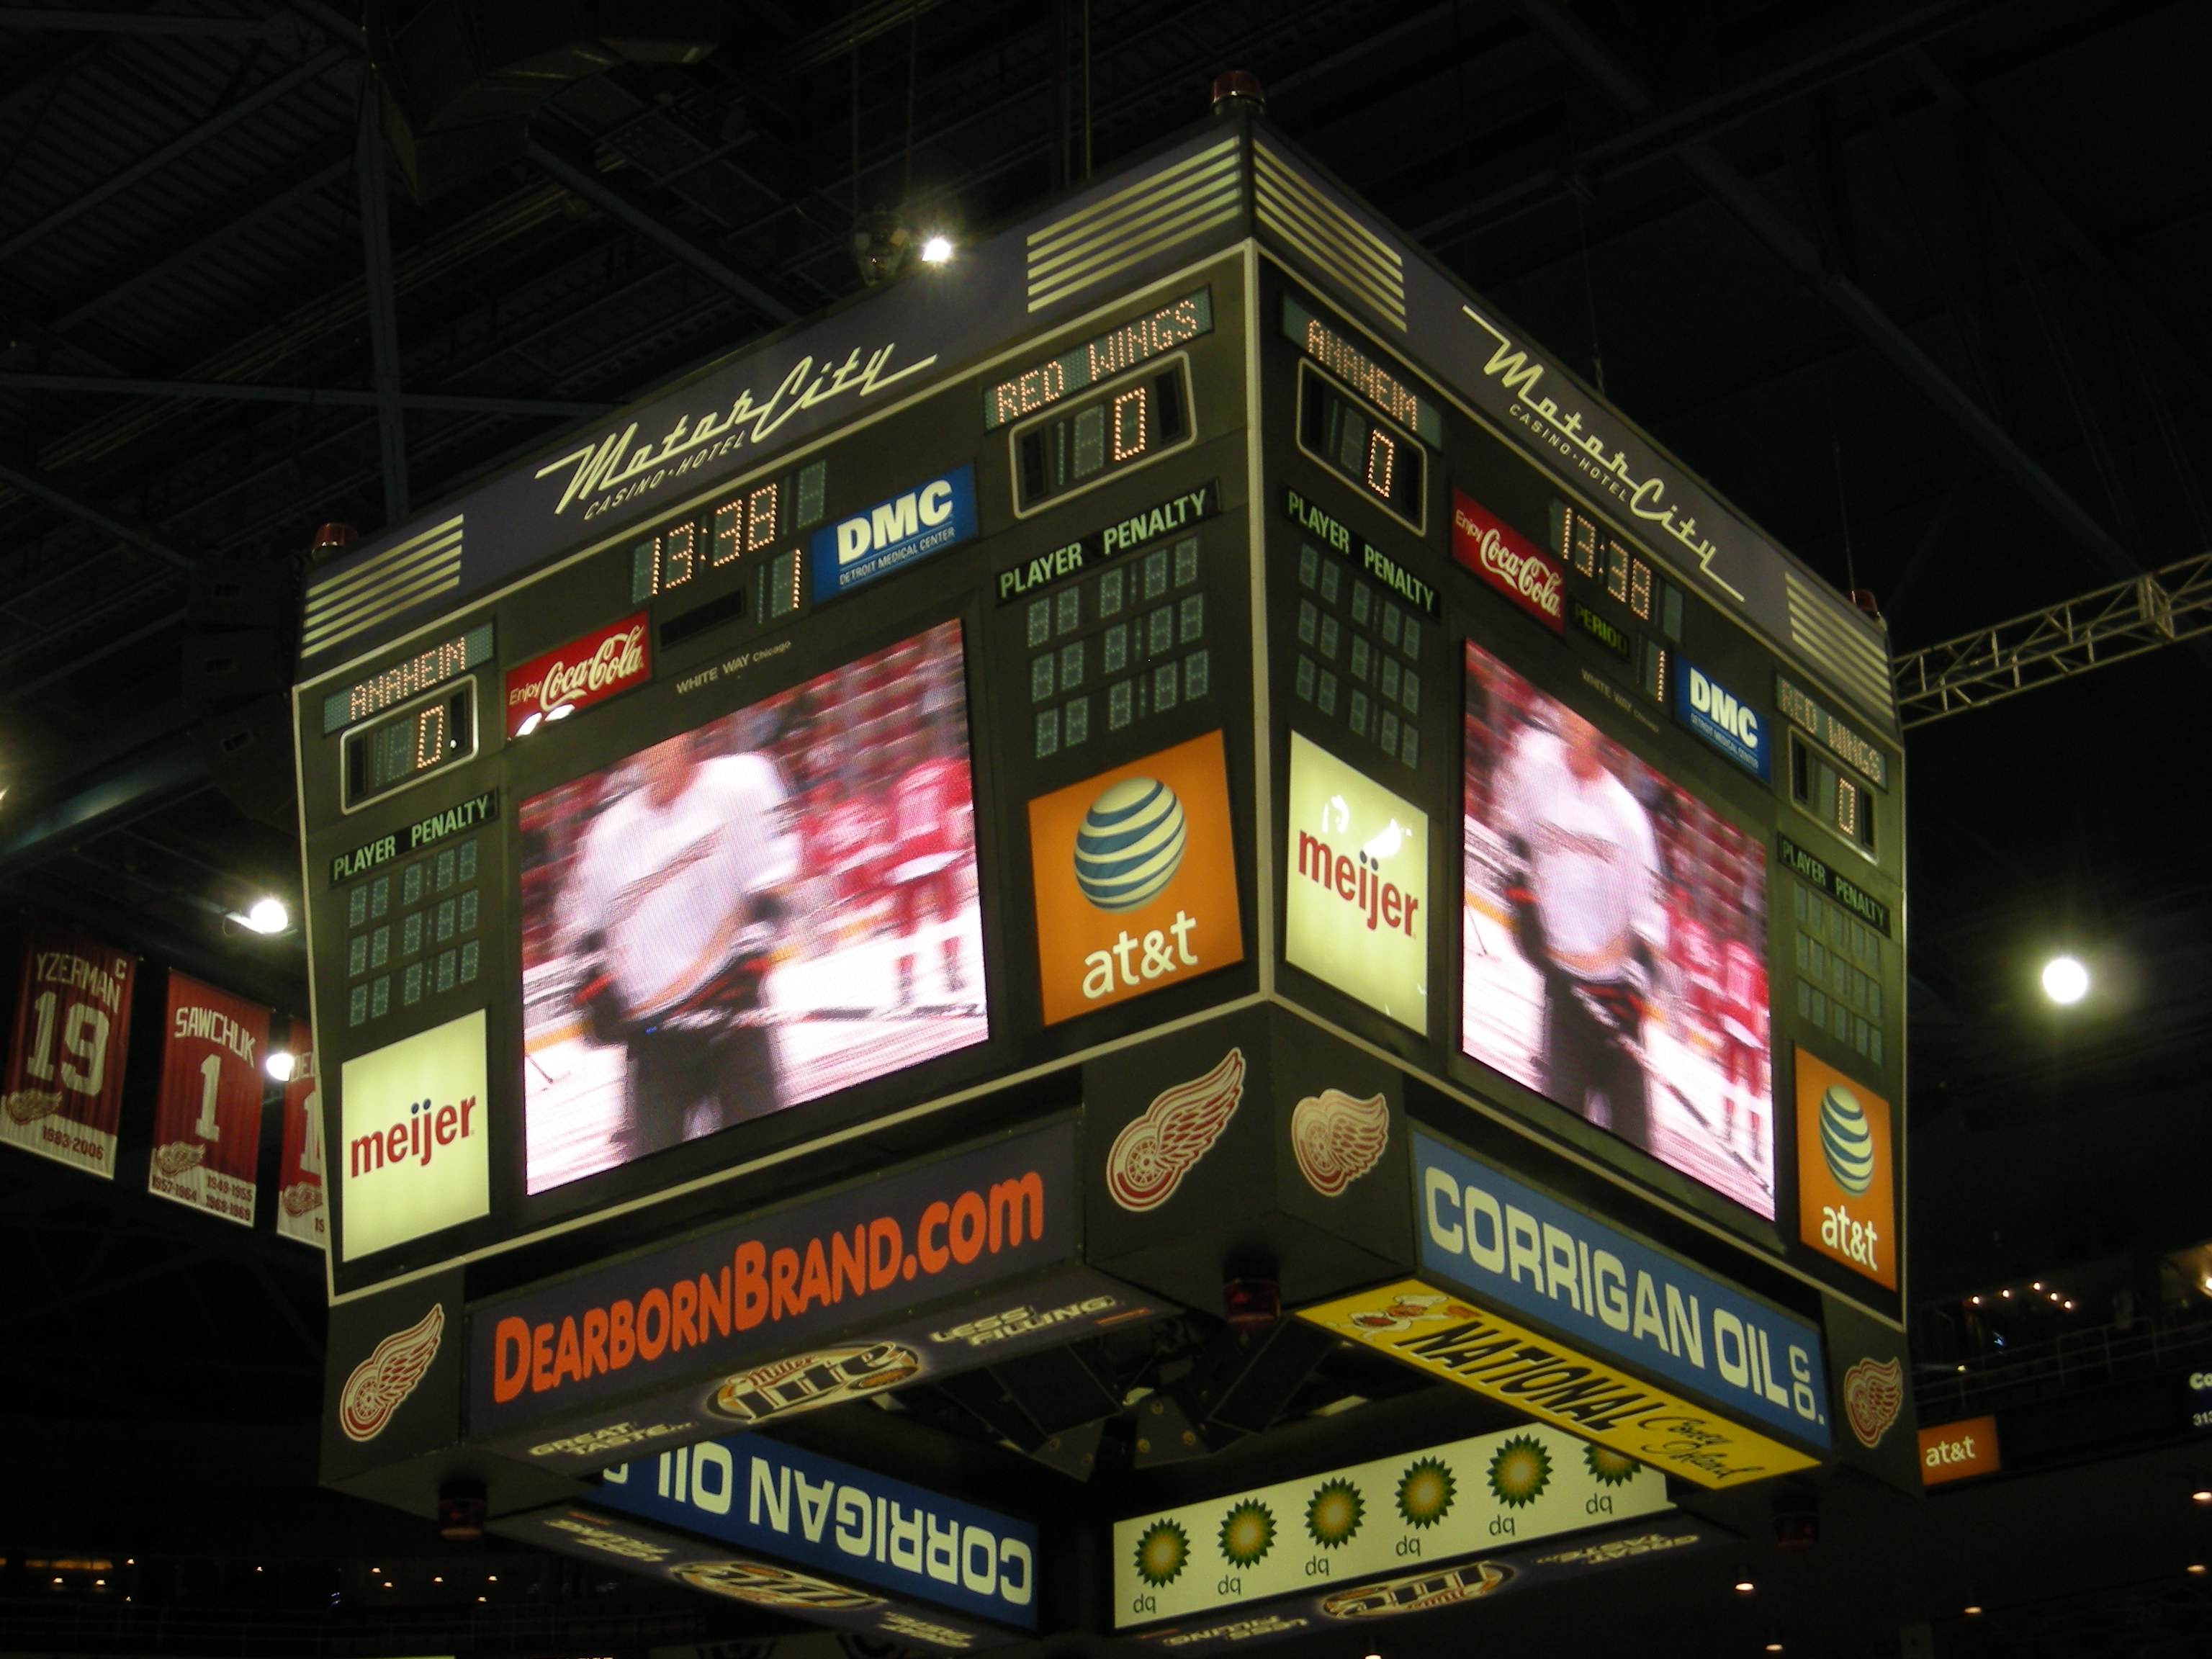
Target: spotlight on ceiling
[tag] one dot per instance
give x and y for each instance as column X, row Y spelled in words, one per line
column 280, row 1065
column 264, row 915
column 2065, row 980
column 937, row 250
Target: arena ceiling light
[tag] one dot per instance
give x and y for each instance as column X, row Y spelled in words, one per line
column 937, row 250
column 280, row 1065
column 2065, row 980
column 265, row 914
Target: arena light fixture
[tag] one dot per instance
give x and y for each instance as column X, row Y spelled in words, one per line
column 2065, row 980
column 937, row 250
column 280, row 1065
column 266, row 916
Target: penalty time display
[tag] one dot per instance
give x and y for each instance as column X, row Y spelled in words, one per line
column 919, row 842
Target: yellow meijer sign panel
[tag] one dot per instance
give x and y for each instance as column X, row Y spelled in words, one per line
column 1356, row 912
column 1435, row 1332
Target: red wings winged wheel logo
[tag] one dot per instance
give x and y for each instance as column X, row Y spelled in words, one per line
column 1873, row 1396
column 389, row 1375
column 1337, row 1139
column 1155, row 1151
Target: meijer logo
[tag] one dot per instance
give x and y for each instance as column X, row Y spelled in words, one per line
column 1357, row 911
column 417, row 1152
column 1135, row 877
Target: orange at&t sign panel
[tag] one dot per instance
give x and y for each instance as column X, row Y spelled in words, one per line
column 1135, row 874
column 1847, row 1197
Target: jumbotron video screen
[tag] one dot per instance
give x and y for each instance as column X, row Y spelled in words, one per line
column 1614, row 939
column 761, row 910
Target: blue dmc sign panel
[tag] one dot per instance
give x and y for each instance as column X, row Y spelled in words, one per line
column 1511, row 1245
column 799, row 1506
column 1723, row 720
column 894, row 534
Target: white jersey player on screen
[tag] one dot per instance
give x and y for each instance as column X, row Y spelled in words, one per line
column 674, row 906
column 1588, row 916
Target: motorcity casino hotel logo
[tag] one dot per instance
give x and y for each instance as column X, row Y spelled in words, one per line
column 415, row 1137
column 380, row 1383
column 1135, row 877
column 893, row 534
column 1846, row 1201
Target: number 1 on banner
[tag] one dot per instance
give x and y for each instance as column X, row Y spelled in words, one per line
column 210, row 1072
column 41, row 1065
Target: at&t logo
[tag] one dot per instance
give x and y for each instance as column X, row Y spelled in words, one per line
column 1127, row 851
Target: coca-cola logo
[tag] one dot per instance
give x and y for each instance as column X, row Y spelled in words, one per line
column 1522, row 572
column 582, row 671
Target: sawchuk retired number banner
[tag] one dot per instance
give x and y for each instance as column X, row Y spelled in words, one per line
column 207, row 1121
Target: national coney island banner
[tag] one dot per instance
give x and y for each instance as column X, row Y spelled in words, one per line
column 62, row 1096
column 207, row 1116
column 301, row 1211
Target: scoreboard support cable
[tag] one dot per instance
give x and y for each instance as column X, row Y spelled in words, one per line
column 1177, row 751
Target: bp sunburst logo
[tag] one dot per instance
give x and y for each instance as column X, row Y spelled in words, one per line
column 1609, row 1467
column 1425, row 1491
column 1248, row 1533
column 1520, row 1472
column 1334, row 1513
column 1161, row 1553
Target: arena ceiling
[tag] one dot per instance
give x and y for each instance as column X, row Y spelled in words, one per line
column 1917, row 285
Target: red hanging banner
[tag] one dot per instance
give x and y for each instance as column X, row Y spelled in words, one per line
column 207, row 1121
column 301, row 1211
column 63, row 1094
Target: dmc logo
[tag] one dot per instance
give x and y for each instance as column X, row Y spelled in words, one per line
column 895, row 521
column 382, row 1381
column 1721, row 708
column 1873, row 1396
column 416, row 1138
column 1846, row 1139
column 1155, row 1151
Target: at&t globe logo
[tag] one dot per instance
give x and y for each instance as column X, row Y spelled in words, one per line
column 1846, row 1139
column 1130, row 844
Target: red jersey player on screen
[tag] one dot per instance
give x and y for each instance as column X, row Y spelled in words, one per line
column 1693, row 948
column 1742, row 1009
column 933, row 827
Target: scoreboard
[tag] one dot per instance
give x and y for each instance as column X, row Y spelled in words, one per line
column 1191, row 600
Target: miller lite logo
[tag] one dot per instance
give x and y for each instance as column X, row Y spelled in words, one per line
column 1157, row 1149
column 1873, row 1396
column 1337, row 1139
column 381, row 1382
column 580, row 673
column 1510, row 563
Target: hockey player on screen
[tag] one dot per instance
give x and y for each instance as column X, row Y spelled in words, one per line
column 933, row 827
column 1588, row 916
column 675, row 908
column 1743, row 1007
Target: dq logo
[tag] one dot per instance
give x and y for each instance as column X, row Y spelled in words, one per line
column 1135, row 875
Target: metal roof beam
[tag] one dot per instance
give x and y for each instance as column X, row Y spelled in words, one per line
column 149, row 23
column 183, row 144
column 40, row 487
column 1802, row 257
column 330, row 396
column 383, row 314
column 618, row 207
column 267, row 197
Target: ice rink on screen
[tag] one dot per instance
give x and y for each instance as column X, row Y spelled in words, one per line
column 1503, row 1026
column 837, row 1022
